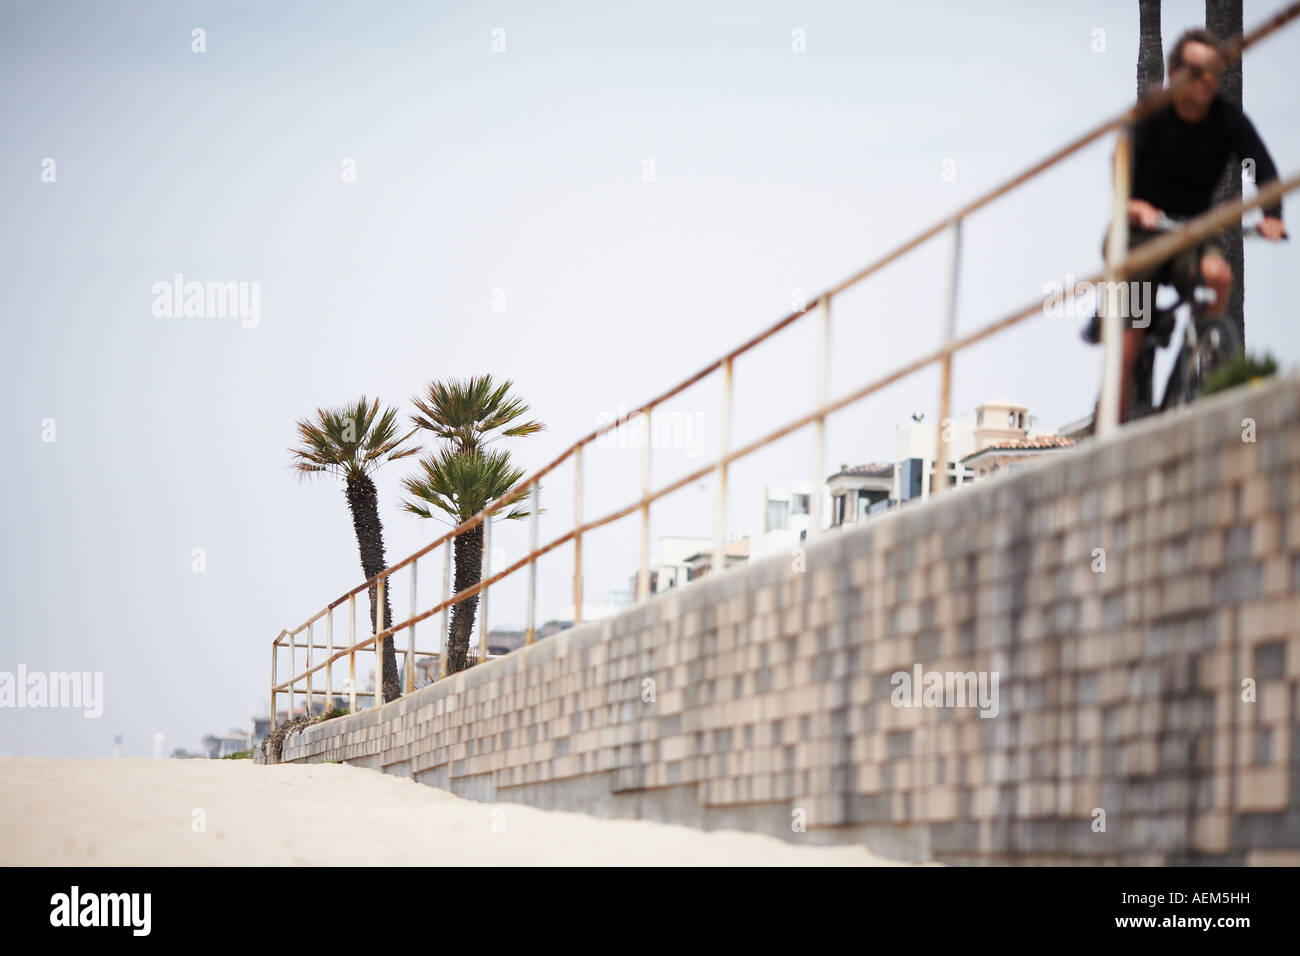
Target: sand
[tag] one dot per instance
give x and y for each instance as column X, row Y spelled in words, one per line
column 143, row 812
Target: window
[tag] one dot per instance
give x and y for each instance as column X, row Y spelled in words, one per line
column 778, row 515
column 798, row 504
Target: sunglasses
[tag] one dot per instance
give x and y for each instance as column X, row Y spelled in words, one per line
column 1198, row 72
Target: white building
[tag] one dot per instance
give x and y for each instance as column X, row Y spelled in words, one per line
column 780, row 517
column 915, row 445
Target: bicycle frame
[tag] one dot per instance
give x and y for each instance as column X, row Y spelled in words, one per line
column 1180, row 388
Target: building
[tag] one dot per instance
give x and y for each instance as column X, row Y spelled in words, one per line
column 223, row 745
column 915, row 445
column 863, row 490
column 216, row 746
column 1078, row 429
column 780, row 518
column 1002, row 438
column 672, row 567
column 1008, row 456
column 1005, row 440
column 503, row 640
column 699, row 564
column 858, row 491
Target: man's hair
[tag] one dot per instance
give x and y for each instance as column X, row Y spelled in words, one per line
column 1193, row 36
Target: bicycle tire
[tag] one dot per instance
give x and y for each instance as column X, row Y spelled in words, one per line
column 1141, row 400
column 1217, row 344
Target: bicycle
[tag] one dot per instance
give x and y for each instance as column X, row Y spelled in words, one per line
column 1208, row 343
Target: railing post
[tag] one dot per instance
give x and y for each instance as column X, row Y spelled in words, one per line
column 446, row 611
column 532, row 566
column 275, row 648
column 352, row 655
column 643, row 573
column 821, row 386
column 329, row 665
column 577, row 536
column 409, row 684
column 379, row 643
column 1112, row 329
column 939, row 477
column 293, row 667
column 487, row 573
column 311, row 639
column 724, row 446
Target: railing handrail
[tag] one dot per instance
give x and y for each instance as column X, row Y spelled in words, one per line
column 1195, row 230
column 1128, row 263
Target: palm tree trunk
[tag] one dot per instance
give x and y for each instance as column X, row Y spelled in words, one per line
column 469, row 571
column 1151, row 57
column 363, row 500
column 1223, row 19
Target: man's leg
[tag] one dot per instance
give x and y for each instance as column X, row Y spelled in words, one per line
column 1217, row 274
column 1132, row 346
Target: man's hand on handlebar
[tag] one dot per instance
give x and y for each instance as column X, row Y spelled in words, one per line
column 1142, row 213
column 1272, row 228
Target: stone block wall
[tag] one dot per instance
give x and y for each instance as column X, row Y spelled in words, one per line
column 1119, row 596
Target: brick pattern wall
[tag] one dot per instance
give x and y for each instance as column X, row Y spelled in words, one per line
column 1120, row 595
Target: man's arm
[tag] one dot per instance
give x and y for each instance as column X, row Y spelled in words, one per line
column 1140, row 211
column 1248, row 145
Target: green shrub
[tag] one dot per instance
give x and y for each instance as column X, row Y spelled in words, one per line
column 1239, row 371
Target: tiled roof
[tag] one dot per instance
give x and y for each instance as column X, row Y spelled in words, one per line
column 879, row 469
column 1041, row 443
column 735, row 549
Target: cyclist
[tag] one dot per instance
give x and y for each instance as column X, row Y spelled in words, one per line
column 1179, row 153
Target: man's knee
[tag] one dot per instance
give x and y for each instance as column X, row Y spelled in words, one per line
column 1216, row 272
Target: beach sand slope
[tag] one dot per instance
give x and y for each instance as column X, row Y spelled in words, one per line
column 147, row 812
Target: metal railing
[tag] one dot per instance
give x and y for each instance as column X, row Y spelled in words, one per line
column 1120, row 263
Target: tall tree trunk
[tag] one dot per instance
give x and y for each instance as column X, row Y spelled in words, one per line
column 1223, row 19
column 469, row 571
column 1151, row 57
column 363, row 500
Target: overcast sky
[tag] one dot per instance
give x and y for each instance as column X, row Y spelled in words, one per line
column 594, row 212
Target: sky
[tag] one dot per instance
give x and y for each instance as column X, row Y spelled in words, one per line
column 591, row 201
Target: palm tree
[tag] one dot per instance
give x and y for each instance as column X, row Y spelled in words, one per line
column 461, row 484
column 352, row 442
column 1223, row 19
column 464, row 476
column 1151, row 63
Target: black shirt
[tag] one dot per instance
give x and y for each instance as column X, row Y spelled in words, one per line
column 1177, row 164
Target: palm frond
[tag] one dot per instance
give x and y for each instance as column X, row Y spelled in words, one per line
column 470, row 413
column 461, row 484
column 353, row 439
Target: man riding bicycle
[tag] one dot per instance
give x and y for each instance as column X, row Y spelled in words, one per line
column 1179, row 153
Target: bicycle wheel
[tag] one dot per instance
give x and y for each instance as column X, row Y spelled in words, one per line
column 1141, row 401
column 1217, row 344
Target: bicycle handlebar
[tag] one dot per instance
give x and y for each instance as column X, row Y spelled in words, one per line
column 1170, row 224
